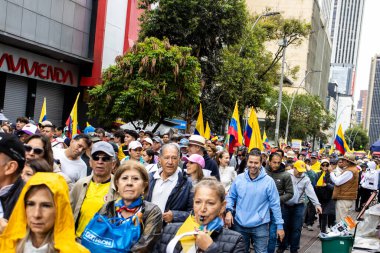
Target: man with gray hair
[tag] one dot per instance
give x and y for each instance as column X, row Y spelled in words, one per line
column 169, row 187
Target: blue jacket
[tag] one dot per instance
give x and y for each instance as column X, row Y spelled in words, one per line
column 180, row 200
column 253, row 199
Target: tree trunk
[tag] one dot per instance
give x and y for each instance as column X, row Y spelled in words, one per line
column 157, row 125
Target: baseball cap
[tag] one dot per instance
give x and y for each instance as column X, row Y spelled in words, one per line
column 325, row 161
column 12, row 147
column 300, row 166
column 183, row 143
column 89, row 129
column 290, row 154
column 149, row 140
column 195, row 158
column 157, row 139
column 46, row 123
column 134, row 144
column 29, row 129
column 102, row 146
column 314, row 154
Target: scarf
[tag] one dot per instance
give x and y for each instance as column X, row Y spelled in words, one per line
column 132, row 208
column 321, row 179
column 188, row 242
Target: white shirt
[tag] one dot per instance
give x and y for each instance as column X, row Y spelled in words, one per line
column 227, row 176
column 74, row 169
column 29, row 248
column 342, row 178
column 163, row 188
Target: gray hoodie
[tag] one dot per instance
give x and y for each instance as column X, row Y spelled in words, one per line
column 305, row 187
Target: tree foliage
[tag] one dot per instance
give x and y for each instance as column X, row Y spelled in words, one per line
column 308, row 118
column 155, row 80
column 356, row 137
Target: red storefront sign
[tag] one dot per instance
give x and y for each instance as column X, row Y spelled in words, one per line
column 30, row 65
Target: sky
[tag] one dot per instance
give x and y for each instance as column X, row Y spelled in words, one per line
column 369, row 45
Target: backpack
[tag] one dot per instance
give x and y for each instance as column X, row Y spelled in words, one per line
column 296, row 193
column 370, row 180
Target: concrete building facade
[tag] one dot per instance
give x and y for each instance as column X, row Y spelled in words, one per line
column 313, row 55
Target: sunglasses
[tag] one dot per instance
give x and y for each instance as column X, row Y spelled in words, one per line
column 325, row 165
column 37, row 151
column 102, row 158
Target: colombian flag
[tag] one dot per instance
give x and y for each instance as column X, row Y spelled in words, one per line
column 252, row 134
column 72, row 121
column 340, row 142
column 265, row 141
column 234, row 130
column 43, row 112
column 199, row 127
column 207, row 133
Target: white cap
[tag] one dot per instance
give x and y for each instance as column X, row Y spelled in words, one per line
column 134, row 144
column 149, row 140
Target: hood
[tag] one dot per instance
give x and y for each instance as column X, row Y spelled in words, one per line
column 261, row 175
column 281, row 169
column 64, row 231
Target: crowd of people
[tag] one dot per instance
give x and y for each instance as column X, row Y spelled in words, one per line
column 134, row 191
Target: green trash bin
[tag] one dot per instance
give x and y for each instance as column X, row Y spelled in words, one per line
column 337, row 244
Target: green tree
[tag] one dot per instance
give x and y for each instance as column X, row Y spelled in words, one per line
column 356, row 138
column 154, row 81
column 308, row 118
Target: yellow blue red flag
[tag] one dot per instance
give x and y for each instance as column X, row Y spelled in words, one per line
column 207, row 133
column 265, row 141
column 234, row 130
column 340, row 142
column 43, row 116
column 72, row 121
column 199, row 127
column 252, row 133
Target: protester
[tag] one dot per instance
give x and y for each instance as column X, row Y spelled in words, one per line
column 165, row 138
column 123, row 151
column 315, row 164
column 147, row 143
column 70, row 159
column 194, row 167
column 132, row 183
column 89, row 194
column 206, row 219
column 34, row 166
column 197, row 146
column 284, row 185
column 148, row 156
column 119, row 138
column 48, row 129
column 346, row 185
column 183, row 145
column 12, row 160
column 239, row 161
column 28, row 130
column 6, row 128
column 324, row 189
column 293, row 209
column 135, row 150
column 42, row 220
column 211, row 151
column 157, row 143
column 369, row 183
column 226, row 172
column 254, row 195
column 169, row 188
column 21, row 122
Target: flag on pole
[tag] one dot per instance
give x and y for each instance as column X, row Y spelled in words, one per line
column 265, row 141
column 207, row 133
column 43, row 112
column 199, row 127
column 72, row 121
column 340, row 142
column 255, row 140
column 234, row 130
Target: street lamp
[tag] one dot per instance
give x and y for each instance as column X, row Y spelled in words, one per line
column 291, row 103
column 267, row 14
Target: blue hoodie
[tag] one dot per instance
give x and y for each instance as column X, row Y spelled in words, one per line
column 253, row 200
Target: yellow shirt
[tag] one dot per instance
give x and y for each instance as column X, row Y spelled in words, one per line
column 94, row 200
column 316, row 167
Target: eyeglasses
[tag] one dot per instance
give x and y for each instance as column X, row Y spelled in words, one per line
column 325, row 165
column 37, row 151
column 137, row 149
column 102, row 158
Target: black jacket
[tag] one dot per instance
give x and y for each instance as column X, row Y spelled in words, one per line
column 324, row 193
column 211, row 165
column 225, row 240
column 8, row 201
column 283, row 183
column 180, row 200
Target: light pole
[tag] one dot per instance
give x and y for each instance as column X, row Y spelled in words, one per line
column 267, row 14
column 283, row 43
column 291, row 103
